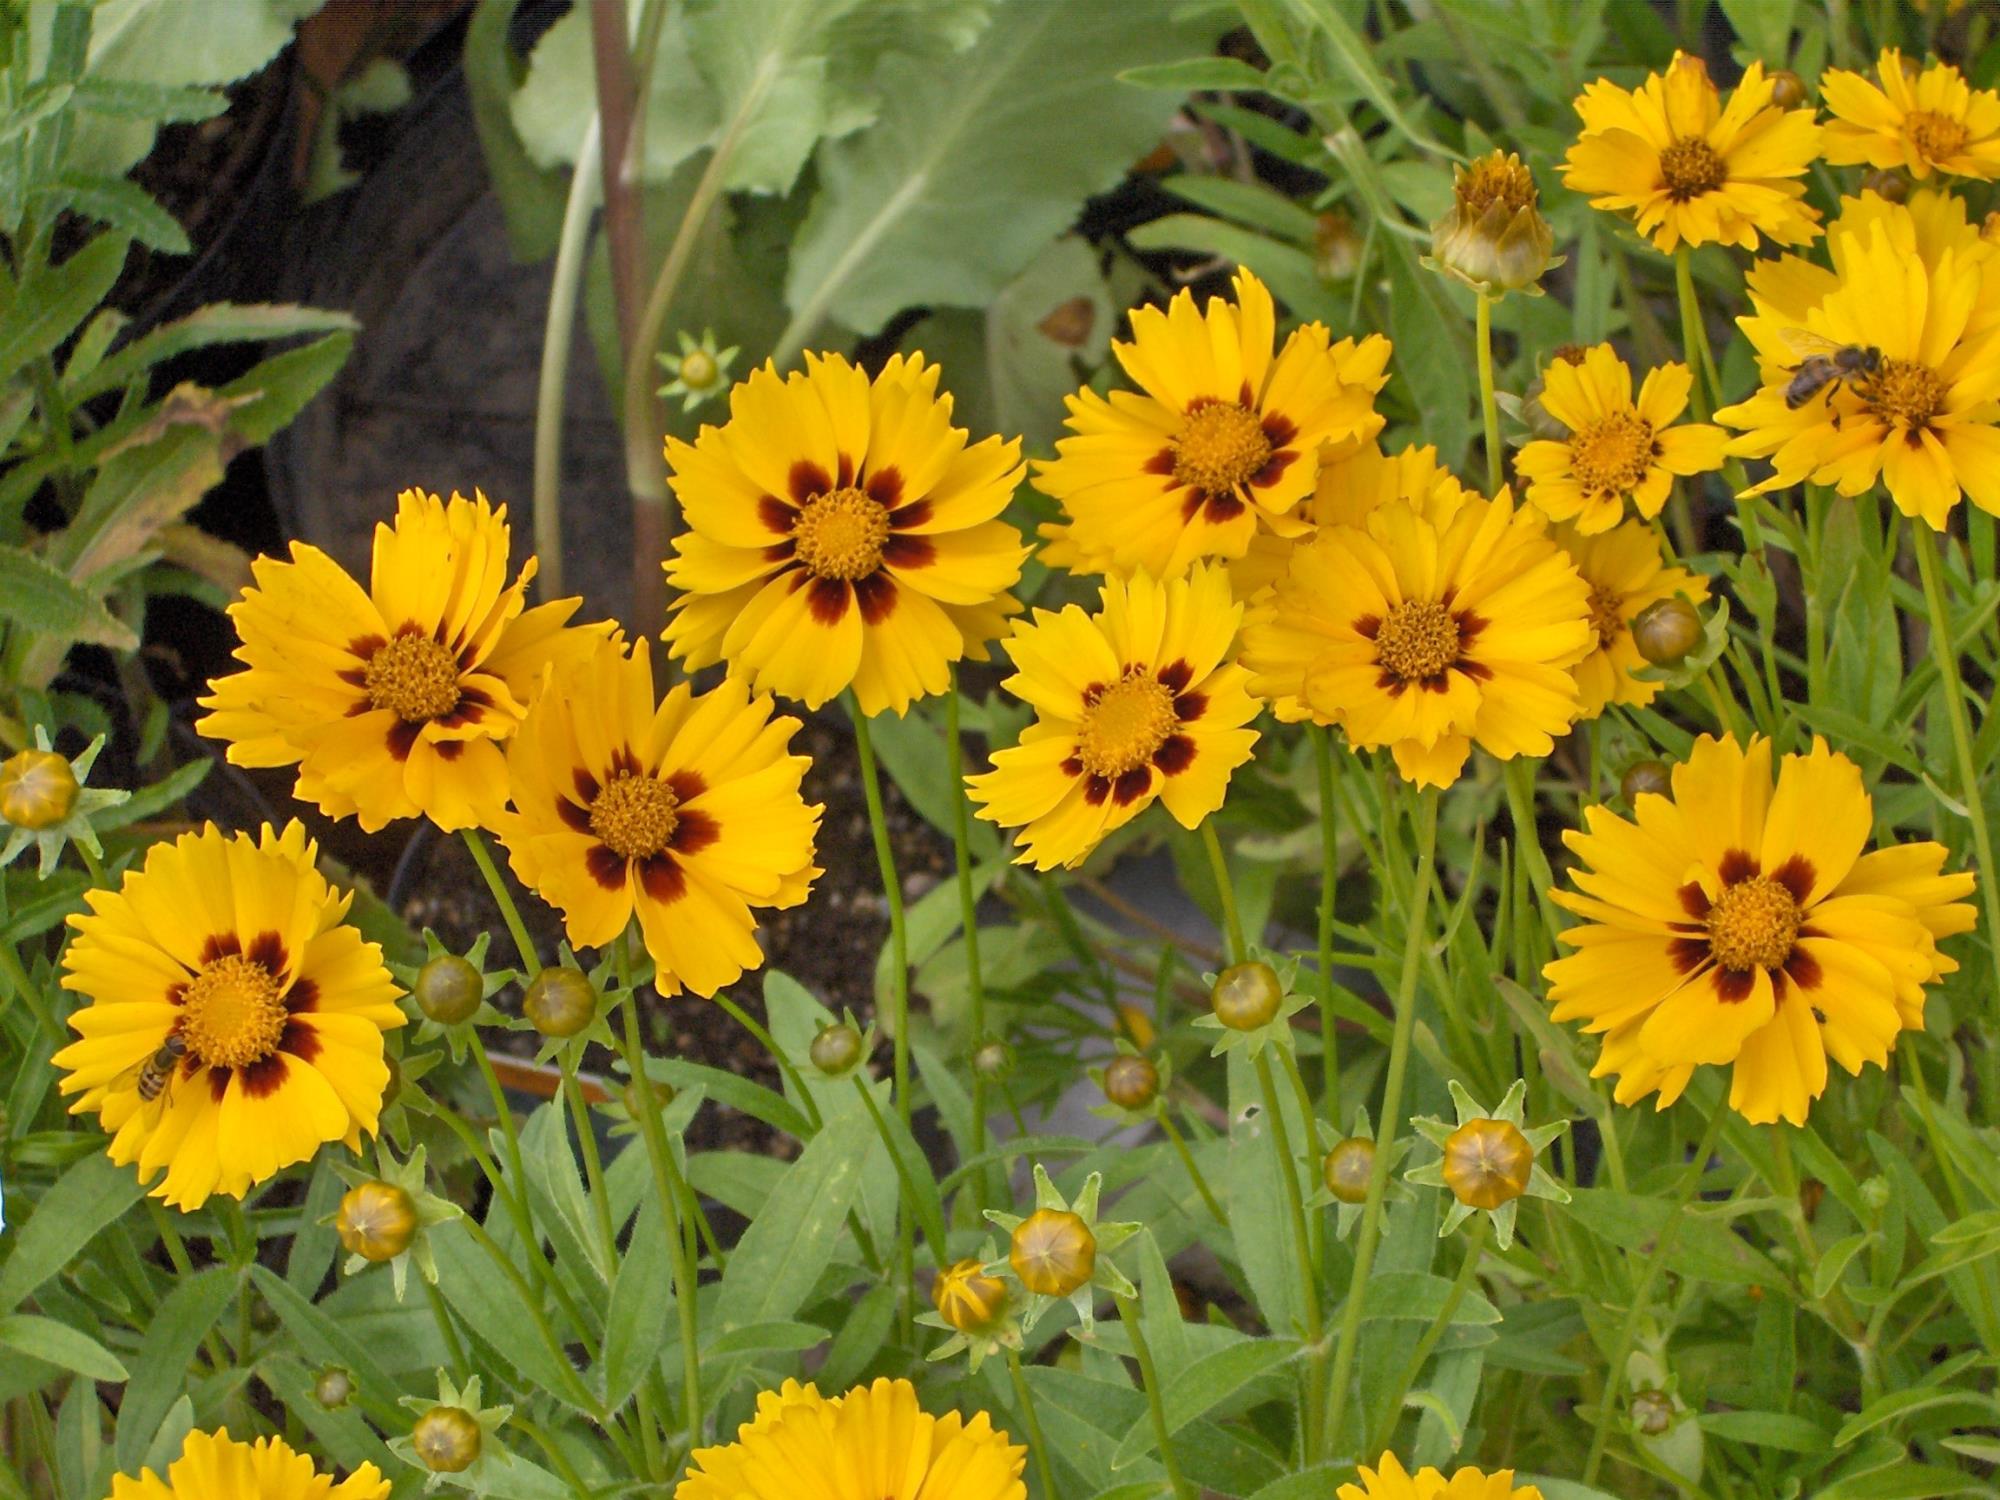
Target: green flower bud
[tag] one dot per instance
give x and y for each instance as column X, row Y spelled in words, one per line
column 448, row 989
column 836, row 1050
column 1246, row 996
column 447, row 1439
column 376, row 1220
column 1347, row 1168
column 37, row 790
column 1131, row 1082
column 560, row 1002
column 1666, row 630
column 1645, row 776
column 334, row 1388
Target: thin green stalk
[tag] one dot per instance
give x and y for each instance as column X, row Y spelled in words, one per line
column 1489, row 406
column 1037, row 1444
column 586, row 189
column 666, row 1186
column 899, row 976
column 1945, row 655
column 1194, row 1172
column 1390, row 1125
column 1295, row 1214
column 509, row 912
column 933, row 1231
column 1468, row 1269
column 752, row 1025
column 1128, row 1314
column 1329, row 879
column 593, row 1162
column 1705, row 388
column 1232, row 925
column 454, row 1348
column 170, row 1236
column 1628, row 1327
column 968, row 914
column 19, row 982
column 1518, row 775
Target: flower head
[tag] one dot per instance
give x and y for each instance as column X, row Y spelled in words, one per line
column 875, row 1440
column 1691, row 169
column 1060, row 1252
column 1923, row 122
column 1618, row 449
column 685, row 811
column 1488, row 1160
column 842, row 534
column 44, row 802
column 1494, row 238
column 394, row 700
column 1745, row 927
column 1428, row 630
column 1626, row 574
column 387, row 1216
column 214, row 1464
column 1140, row 701
column 1216, row 445
column 1389, row 1480
column 235, row 1019
column 1885, row 367
column 454, row 1437
column 976, row 1308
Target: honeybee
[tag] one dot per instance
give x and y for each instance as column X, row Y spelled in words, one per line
column 1824, row 364
column 152, row 1076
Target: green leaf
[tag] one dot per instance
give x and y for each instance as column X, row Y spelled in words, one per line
column 1315, row 1483
column 635, row 1327
column 1899, row 1404
column 786, row 1247
column 154, row 102
column 283, row 384
column 1355, row 57
column 977, row 162
column 1704, row 1249
column 531, row 199
column 1250, row 203
column 321, row 1339
column 1256, row 1196
column 51, row 304
column 217, row 323
column 1418, row 1296
column 59, row 1344
column 38, row 597
column 1293, row 278
column 489, row 1303
column 1198, row 1388
column 166, row 1355
column 118, row 203
column 784, row 1337
column 1767, row 1429
column 1197, row 74
column 913, row 751
column 1905, row 1481
column 69, row 1215
column 1833, row 1264
column 167, row 792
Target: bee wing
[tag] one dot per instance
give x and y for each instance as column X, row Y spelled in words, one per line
column 129, row 1079
column 1807, row 344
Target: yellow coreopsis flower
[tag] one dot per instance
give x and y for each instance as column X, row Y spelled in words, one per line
column 1625, row 572
column 1742, row 927
column 1619, row 449
column 874, row 1441
column 685, row 811
column 1218, row 443
column 215, row 1466
column 393, row 701
column 1906, row 329
column 842, row 534
column 235, row 1018
column 1141, row 700
column 1689, row 168
column 1923, row 122
column 1389, row 1480
column 1428, row 630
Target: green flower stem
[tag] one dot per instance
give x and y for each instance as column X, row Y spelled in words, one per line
column 899, row 980
column 1194, row 1172
column 1369, row 1235
column 558, row 1459
column 968, row 913
column 1232, row 925
column 447, row 1330
column 91, row 863
column 170, row 1236
column 1037, row 1444
column 1519, row 776
column 1302, row 1247
column 1954, row 1189
column 586, row 186
column 509, row 912
column 1945, row 653
column 532, row 1305
column 593, row 1163
column 933, row 1231
column 1489, row 406
column 1128, row 1314
column 1628, row 1328
column 668, row 1187
column 1468, row 1270
column 1329, row 879
column 751, row 1024
column 19, row 982
column 1705, row 390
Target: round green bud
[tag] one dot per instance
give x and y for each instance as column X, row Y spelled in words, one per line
column 560, row 1002
column 1246, row 996
column 1666, row 630
column 1131, row 1082
column 449, row 989
column 836, row 1050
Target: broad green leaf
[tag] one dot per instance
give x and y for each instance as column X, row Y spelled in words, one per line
column 1315, row 1483
column 321, row 1339
column 978, row 161
column 1294, row 279
column 489, row 1302
column 1703, row 1249
column 168, row 1437
column 1906, row 1481
column 1899, row 1404
column 642, row 1306
column 1250, row 203
column 217, row 323
column 1195, row 1389
column 282, row 385
column 1418, row 1296
column 531, row 199
column 1197, row 74
column 38, row 597
column 161, row 1371
column 1256, row 1198
column 158, row 103
column 913, row 752
column 786, row 1247
column 67, row 1218
column 52, row 304
column 119, row 204
column 60, row 1345
column 784, row 1337
column 1768, row 1429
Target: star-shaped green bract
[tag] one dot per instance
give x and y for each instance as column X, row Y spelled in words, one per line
column 1345, row 1214
column 431, row 1210
column 74, row 828
column 1108, row 1237
column 478, row 1476
column 1275, row 1032
column 1511, row 1111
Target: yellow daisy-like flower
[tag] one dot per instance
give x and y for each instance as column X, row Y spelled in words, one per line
column 1887, row 366
column 1141, row 700
column 1691, row 169
column 235, row 1018
column 1618, row 449
column 841, row 534
column 215, row 1466
column 1625, row 572
column 685, row 810
column 393, row 701
column 1933, row 121
column 1389, row 1480
column 1428, row 631
column 875, row 1441
column 1744, row 927
column 1218, row 442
